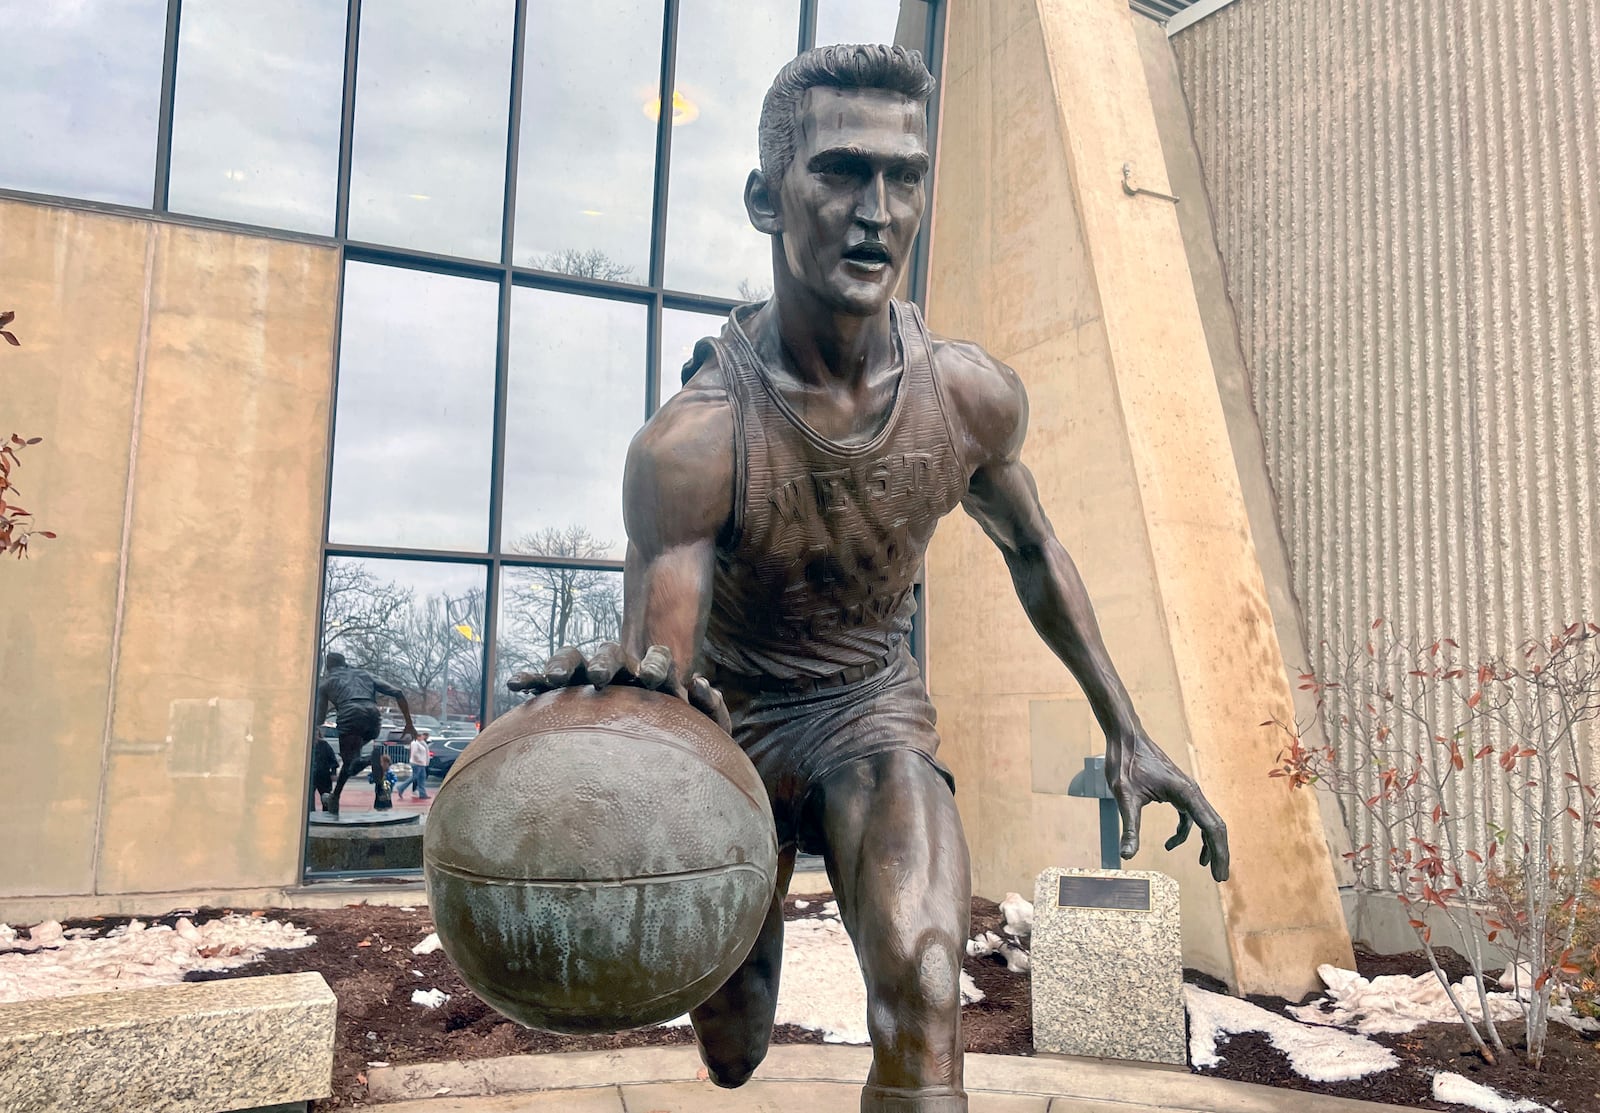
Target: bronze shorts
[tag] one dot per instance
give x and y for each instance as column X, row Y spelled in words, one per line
column 796, row 741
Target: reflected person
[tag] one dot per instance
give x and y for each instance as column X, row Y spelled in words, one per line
column 778, row 509
column 353, row 693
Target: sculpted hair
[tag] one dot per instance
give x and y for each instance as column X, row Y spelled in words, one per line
column 844, row 66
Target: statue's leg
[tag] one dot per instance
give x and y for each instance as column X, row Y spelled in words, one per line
column 900, row 872
column 734, row 1026
column 349, row 750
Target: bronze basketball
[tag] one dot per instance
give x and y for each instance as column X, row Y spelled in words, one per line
column 599, row 860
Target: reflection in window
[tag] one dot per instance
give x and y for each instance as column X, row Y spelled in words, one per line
column 543, row 610
column 255, row 132
column 900, row 22
column 415, row 410
column 417, row 626
column 681, row 330
column 586, row 157
column 728, row 52
column 433, row 86
column 81, row 87
column 576, row 398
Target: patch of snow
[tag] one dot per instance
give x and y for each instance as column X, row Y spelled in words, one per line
column 1396, row 1003
column 821, row 987
column 1316, row 1053
column 429, row 998
column 830, row 908
column 802, row 905
column 1018, row 912
column 429, row 944
column 982, row 946
column 136, row 955
column 970, row 993
column 1459, row 1090
column 1018, row 961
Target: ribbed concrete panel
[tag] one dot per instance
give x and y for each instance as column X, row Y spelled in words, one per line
column 1407, row 203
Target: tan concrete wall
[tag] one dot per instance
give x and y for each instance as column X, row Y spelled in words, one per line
column 1038, row 255
column 1407, row 201
column 158, row 655
column 1187, row 180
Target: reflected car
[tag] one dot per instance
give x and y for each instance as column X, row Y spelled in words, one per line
column 445, row 752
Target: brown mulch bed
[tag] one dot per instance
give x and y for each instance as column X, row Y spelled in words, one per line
column 364, row 952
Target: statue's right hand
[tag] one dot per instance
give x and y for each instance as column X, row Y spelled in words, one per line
column 611, row 664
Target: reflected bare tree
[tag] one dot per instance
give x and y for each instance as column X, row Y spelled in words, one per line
column 586, row 264
column 362, row 615
column 547, row 608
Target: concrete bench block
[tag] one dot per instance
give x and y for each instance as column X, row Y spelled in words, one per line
column 198, row 1047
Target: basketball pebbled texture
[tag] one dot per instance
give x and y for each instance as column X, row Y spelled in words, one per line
column 599, row 860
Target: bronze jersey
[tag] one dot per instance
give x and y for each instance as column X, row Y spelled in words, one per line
column 816, row 575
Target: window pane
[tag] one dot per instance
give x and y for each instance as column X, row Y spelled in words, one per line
column 543, row 610
column 728, row 53
column 576, row 398
column 587, row 154
column 901, row 22
column 255, row 124
column 415, row 410
column 433, row 86
column 681, row 330
column 81, row 86
column 416, row 626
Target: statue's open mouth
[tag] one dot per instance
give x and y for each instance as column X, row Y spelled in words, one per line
column 868, row 255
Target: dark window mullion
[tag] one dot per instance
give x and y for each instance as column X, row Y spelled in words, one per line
column 658, row 209
column 652, row 357
column 513, row 133
column 491, row 638
column 808, row 25
column 347, row 120
column 933, row 54
column 169, row 82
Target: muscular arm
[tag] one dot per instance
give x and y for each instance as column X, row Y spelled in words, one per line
column 1003, row 499
column 992, row 412
column 677, row 494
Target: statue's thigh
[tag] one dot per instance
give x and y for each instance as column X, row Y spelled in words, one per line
column 898, row 859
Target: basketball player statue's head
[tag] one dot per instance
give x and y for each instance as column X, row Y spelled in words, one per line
column 843, row 176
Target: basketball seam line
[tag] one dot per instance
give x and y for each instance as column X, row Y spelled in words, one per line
column 707, row 871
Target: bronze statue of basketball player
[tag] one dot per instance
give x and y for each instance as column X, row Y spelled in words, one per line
column 777, row 511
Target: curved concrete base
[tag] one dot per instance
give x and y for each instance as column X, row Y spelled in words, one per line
column 807, row 1078
column 354, row 845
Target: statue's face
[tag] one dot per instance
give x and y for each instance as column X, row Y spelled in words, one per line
column 852, row 199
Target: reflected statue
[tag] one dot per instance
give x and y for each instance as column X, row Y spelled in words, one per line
column 353, row 695
column 778, row 509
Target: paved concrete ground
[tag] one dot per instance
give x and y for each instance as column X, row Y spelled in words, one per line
column 812, row 1079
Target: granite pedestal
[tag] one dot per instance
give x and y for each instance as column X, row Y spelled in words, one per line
column 1108, row 966
column 197, row 1047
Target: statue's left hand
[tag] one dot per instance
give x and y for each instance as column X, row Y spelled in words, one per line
column 1141, row 773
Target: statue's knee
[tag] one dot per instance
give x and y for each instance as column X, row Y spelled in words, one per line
column 916, row 997
column 733, row 1071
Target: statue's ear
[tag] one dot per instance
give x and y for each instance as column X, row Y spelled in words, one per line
column 761, row 202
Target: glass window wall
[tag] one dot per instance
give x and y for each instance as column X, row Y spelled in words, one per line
column 587, row 154
column 414, row 429
column 737, row 46
column 432, row 100
column 81, row 86
column 255, row 116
